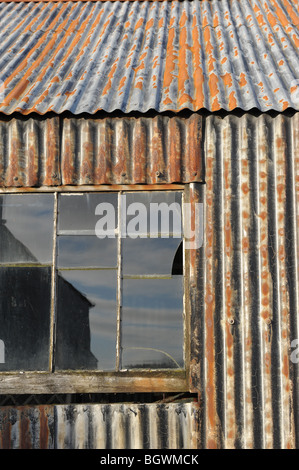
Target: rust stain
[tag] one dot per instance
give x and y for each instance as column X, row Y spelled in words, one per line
column 139, row 23
column 213, row 85
column 227, row 79
column 139, row 85
column 170, row 60
column 25, row 436
column 243, row 80
column 110, row 77
column 44, row 428
column 5, row 433
column 198, row 73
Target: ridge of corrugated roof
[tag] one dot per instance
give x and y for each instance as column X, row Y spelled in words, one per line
column 84, row 57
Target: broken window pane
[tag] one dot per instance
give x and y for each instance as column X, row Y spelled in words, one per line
column 86, row 320
column 26, row 228
column 152, row 325
column 25, row 301
column 86, row 251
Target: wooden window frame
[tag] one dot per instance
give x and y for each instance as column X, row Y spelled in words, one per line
column 124, row 381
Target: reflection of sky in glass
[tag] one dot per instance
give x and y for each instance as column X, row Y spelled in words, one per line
column 29, row 217
column 99, row 287
column 77, row 211
column 152, row 323
column 84, row 251
column 149, row 255
column 155, row 197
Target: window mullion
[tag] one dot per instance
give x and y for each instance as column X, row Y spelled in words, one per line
column 119, row 284
column 53, row 287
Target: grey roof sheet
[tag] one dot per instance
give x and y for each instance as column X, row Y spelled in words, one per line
column 84, row 57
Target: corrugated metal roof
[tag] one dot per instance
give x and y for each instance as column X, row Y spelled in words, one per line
column 62, row 151
column 136, row 56
column 95, row 426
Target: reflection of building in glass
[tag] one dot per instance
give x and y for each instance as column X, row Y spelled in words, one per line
column 73, row 329
column 25, row 300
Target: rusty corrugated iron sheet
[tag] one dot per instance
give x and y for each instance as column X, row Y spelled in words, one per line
column 135, row 56
column 124, row 426
column 27, row 427
column 64, row 151
column 247, row 274
column 29, row 153
column 248, row 280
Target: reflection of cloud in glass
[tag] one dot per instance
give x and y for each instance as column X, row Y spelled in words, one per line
column 165, row 199
column 85, row 251
column 149, row 256
column 153, row 322
column 29, row 217
column 77, row 211
column 165, row 293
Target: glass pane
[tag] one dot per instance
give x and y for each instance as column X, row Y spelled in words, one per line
column 78, row 211
column 25, row 299
column 85, row 251
column 150, row 255
column 153, row 213
column 152, row 324
column 86, row 320
column 26, row 228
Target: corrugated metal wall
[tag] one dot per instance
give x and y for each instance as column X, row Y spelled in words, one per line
column 68, row 151
column 249, row 303
column 247, row 299
column 124, row 426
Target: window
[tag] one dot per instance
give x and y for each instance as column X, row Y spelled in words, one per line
column 93, row 282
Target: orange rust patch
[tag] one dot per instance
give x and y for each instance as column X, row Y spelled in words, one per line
column 121, row 83
column 183, row 19
column 110, row 76
column 227, row 79
column 139, row 85
column 170, row 60
column 232, row 102
column 139, row 23
column 185, row 98
column 149, row 24
column 285, row 105
column 213, row 84
column 167, row 101
column 215, row 20
column 243, row 80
